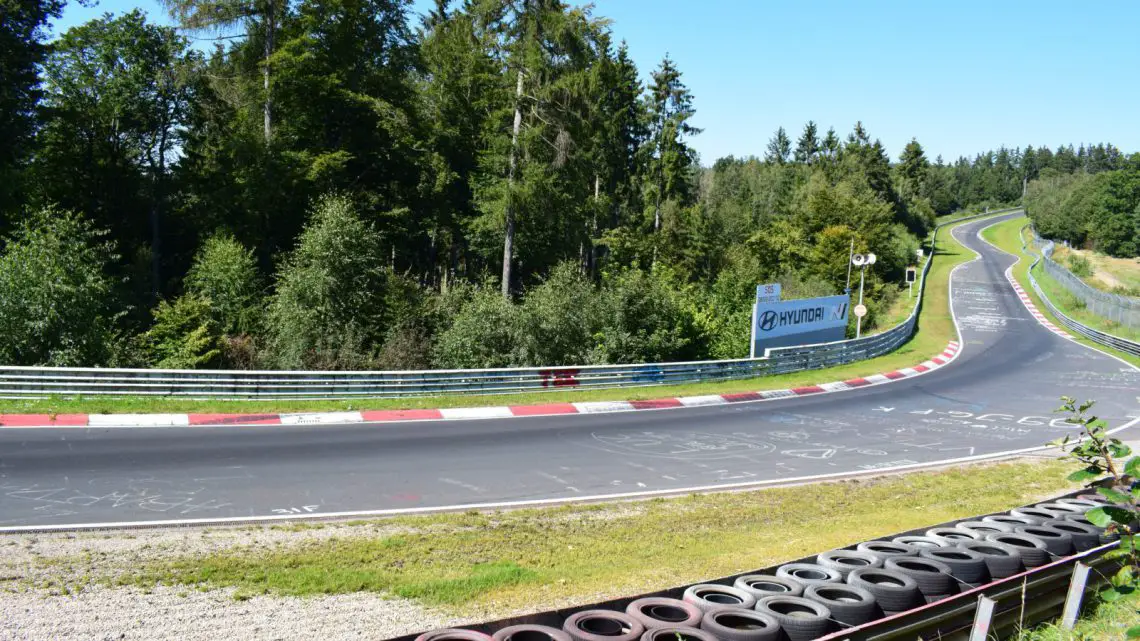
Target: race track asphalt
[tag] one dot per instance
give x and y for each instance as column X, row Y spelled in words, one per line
column 997, row 396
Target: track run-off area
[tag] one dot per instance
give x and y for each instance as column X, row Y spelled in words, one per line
column 997, row 396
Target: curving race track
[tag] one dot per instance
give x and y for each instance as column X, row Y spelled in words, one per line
column 995, row 397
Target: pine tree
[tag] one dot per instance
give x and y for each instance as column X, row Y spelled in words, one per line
column 779, row 148
column 808, row 146
column 670, row 107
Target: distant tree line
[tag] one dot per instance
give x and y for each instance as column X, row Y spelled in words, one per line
column 1091, row 201
column 338, row 184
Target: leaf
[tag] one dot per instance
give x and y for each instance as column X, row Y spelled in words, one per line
column 1090, row 472
column 1113, row 495
column 1133, row 632
column 1111, row 595
column 1105, row 516
column 1120, row 450
column 1132, row 468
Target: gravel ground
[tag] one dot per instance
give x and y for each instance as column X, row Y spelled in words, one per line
column 169, row 613
column 31, row 609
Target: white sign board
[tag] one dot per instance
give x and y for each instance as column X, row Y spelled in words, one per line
column 860, row 310
column 768, row 293
column 799, row 322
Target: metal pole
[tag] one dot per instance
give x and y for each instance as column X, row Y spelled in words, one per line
column 850, row 255
column 752, row 342
column 859, row 319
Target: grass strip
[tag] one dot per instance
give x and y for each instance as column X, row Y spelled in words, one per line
column 1100, row 621
column 1007, row 236
column 494, row 563
column 935, row 329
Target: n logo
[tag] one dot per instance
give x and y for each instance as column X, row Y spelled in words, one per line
column 839, row 312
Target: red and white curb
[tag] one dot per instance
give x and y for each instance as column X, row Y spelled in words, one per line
column 1028, row 302
column 467, row 413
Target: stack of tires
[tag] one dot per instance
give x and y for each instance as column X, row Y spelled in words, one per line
column 841, row 588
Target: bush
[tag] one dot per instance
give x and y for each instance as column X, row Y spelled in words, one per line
column 484, row 333
column 1080, row 266
column 184, row 336
column 559, row 319
column 329, row 309
column 56, row 299
column 225, row 273
column 644, row 321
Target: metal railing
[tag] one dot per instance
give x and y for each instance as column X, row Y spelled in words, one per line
column 1124, row 310
column 35, row 382
column 1095, row 335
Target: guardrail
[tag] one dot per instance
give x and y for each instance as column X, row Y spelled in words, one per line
column 38, row 382
column 1124, row 310
column 1095, row 335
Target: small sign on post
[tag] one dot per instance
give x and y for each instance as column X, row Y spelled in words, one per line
column 768, row 293
column 911, row 275
column 860, row 310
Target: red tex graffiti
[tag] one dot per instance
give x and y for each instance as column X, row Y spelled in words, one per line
column 559, row 377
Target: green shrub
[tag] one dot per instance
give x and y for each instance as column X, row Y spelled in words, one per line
column 644, row 321
column 225, row 273
column 56, row 297
column 329, row 309
column 1080, row 266
column 484, row 333
column 184, row 335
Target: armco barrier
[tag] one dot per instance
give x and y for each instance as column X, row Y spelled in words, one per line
column 1022, row 600
column 1124, row 310
column 1097, row 336
column 38, row 382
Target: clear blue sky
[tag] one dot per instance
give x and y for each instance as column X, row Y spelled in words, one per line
column 962, row 77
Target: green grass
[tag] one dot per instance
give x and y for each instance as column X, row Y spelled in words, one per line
column 1007, row 236
column 935, row 329
column 490, row 563
column 1100, row 621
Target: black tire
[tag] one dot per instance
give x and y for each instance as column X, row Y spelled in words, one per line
column 1082, row 519
column 809, row 573
column 982, row 528
column 849, row 604
column 952, row 536
column 1085, row 504
column 531, row 633
column 919, row 542
column 658, row 612
column 741, row 625
column 762, row 585
column 893, row 591
column 965, row 565
column 1058, row 542
column 1033, row 550
column 713, row 596
column 1095, row 497
column 887, row 549
column 1015, row 521
column 453, row 634
column 801, row 619
column 1086, row 536
column 602, row 625
column 932, row 576
column 1001, row 560
column 680, row 633
column 1040, row 513
column 844, row 561
column 1064, row 508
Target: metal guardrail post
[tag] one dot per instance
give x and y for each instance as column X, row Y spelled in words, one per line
column 1075, row 596
column 983, row 618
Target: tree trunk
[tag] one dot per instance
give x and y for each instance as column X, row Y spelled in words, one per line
column 509, row 237
column 270, row 33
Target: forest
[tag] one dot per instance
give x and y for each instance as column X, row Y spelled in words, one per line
column 342, row 184
column 1095, row 208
